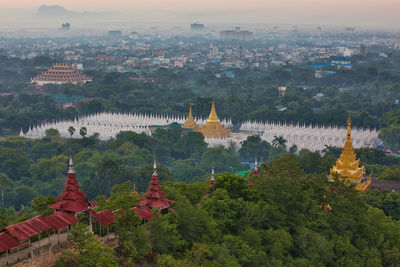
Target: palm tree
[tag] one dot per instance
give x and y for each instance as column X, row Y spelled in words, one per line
column 279, row 141
column 83, row 131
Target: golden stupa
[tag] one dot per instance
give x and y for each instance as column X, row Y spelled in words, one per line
column 347, row 167
column 190, row 123
column 213, row 128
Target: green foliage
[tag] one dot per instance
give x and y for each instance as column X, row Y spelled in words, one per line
column 89, row 250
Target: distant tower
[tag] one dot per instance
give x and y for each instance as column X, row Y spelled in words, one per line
column 65, row 27
column 213, row 50
column 363, row 50
column 282, row 90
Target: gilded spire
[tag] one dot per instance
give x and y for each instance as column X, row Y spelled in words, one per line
column 349, row 128
column 348, row 167
column 190, row 123
column 213, row 114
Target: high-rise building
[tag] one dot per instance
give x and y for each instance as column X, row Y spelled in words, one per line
column 236, row 35
column 114, row 34
column 196, row 27
column 363, row 50
column 65, row 27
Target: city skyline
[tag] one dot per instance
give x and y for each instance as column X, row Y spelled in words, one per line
column 352, row 12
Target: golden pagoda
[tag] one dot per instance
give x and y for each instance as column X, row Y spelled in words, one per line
column 213, row 128
column 348, row 168
column 190, row 123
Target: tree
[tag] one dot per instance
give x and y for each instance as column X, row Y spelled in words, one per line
column 40, row 205
column 89, row 250
column 83, row 131
column 279, row 141
column 71, row 130
column 52, row 132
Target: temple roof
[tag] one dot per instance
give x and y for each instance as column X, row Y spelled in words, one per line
column 61, row 73
column 213, row 128
column 71, row 199
column 190, row 123
column 154, row 197
column 348, row 167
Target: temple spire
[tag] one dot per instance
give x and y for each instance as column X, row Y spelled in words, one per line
column 213, row 114
column 212, row 180
column 155, row 167
column 255, row 170
column 71, row 164
column 190, row 123
column 349, row 128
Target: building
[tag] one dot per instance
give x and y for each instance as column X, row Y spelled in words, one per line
column 347, row 167
column 71, row 200
column 363, row 50
column 154, row 197
column 341, row 62
column 228, row 35
column 213, row 51
column 213, row 128
column 65, row 27
column 282, row 90
column 114, row 34
column 196, row 27
column 190, row 123
column 61, row 74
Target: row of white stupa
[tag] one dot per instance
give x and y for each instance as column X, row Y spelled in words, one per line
column 108, row 125
column 313, row 138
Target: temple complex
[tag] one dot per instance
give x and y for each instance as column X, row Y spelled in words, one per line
column 347, row 167
column 213, row 128
column 71, row 199
column 190, row 123
column 154, row 197
column 60, row 74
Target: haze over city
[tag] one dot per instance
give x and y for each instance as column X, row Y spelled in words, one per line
column 369, row 13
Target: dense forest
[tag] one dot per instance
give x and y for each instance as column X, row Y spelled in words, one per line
column 283, row 220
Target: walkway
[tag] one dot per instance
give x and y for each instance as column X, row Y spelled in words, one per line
column 44, row 247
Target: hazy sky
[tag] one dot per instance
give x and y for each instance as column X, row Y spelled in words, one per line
column 379, row 12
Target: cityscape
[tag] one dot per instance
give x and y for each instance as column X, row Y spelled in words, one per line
column 165, row 134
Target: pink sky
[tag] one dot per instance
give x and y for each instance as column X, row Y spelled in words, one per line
column 368, row 12
column 308, row 6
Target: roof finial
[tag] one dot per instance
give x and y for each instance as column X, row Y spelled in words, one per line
column 71, row 164
column 348, row 127
column 256, row 164
column 155, row 167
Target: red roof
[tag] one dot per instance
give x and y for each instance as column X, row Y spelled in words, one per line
column 7, row 242
column 71, row 199
column 60, row 219
column 146, row 213
column 154, row 197
column 29, row 228
column 104, row 217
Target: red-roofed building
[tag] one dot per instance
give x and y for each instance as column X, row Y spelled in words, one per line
column 255, row 173
column 212, row 181
column 71, row 199
column 154, row 197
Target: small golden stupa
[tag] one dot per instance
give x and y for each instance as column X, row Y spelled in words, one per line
column 190, row 123
column 348, row 167
column 213, row 128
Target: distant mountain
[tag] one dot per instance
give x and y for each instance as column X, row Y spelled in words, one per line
column 59, row 12
column 54, row 11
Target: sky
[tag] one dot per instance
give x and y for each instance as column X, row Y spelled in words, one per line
column 368, row 12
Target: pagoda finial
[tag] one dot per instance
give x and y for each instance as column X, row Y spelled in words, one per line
column 213, row 114
column 212, row 173
column 256, row 164
column 348, row 127
column 155, row 167
column 71, row 164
